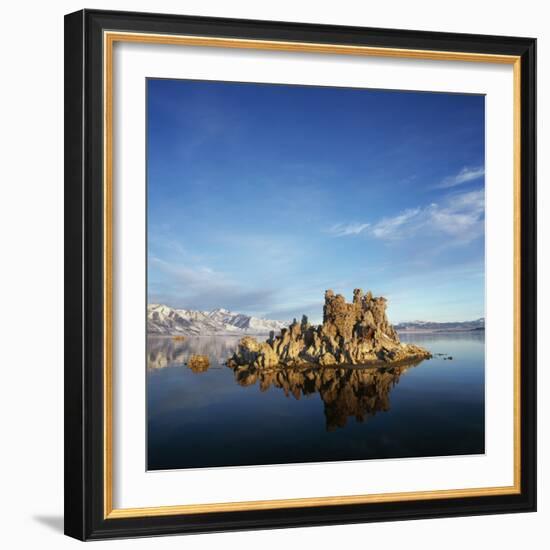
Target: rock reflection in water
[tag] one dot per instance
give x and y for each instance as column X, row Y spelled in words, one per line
column 346, row 392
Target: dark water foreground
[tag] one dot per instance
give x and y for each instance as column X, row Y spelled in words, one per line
column 217, row 417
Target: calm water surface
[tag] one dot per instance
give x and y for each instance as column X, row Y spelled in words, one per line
column 214, row 417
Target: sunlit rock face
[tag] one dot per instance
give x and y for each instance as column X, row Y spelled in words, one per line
column 346, row 392
column 356, row 333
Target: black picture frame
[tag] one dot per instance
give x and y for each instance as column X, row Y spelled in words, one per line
column 84, row 282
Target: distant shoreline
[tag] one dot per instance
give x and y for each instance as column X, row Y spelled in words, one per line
column 438, row 330
column 208, row 335
column 241, row 335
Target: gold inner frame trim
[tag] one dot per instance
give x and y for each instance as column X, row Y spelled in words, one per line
column 109, row 39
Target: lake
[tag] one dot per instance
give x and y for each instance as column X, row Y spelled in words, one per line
column 214, row 417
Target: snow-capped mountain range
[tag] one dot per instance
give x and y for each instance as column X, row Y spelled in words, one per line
column 429, row 326
column 162, row 319
column 165, row 320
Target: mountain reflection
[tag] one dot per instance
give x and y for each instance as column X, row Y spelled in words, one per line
column 345, row 392
column 168, row 352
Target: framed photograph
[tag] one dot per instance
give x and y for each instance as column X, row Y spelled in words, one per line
column 300, row 274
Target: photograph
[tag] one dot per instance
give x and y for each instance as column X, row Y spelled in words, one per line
column 315, row 274
column 299, row 272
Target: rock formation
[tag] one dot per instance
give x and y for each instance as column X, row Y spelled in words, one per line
column 346, row 392
column 198, row 363
column 351, row 334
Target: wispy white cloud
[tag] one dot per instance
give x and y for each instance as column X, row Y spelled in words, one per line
column 465, row 175
column 392, row 227
column 460, row 218
column 346, row 229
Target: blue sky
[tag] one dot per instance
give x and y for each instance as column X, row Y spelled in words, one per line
column 260, row 197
